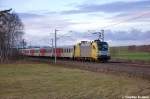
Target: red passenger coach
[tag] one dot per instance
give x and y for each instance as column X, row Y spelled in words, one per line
column 58, row 52
column 45, row 52
column 27, row 52
column 42, row 52
column 32, row 52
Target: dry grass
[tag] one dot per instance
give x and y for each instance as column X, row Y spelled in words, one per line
column 42, row 81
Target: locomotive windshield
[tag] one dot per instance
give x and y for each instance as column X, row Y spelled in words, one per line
column 103, row 46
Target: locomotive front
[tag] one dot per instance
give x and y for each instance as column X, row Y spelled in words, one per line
column 103, row 51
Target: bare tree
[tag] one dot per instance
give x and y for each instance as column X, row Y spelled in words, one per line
column 11, row 32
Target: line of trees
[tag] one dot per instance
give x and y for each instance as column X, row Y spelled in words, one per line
column 11, row 35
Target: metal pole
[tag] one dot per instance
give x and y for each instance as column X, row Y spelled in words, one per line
column 55, row 44
column 23, row 44
column 102, row 31
column 52, row 48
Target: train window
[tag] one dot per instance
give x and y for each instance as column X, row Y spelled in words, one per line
column 103, row 46
column 64, row 50
column 68, row 50
column 36, row 51
column 31, row 51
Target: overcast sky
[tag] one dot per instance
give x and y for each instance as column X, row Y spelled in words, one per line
column 126, row 22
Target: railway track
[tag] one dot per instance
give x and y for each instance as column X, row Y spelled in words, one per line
column 116, row 67
column 130, row 64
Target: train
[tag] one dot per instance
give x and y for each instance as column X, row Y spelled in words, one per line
column 85, row 50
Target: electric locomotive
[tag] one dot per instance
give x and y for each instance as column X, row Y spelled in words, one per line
column 94, row 51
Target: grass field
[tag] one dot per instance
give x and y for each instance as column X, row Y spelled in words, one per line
column 133, row 55
column 43, row 81
column 124, row 53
